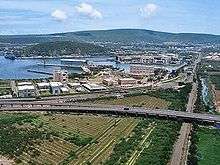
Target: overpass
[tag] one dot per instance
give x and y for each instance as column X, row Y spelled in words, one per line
column 110, row 109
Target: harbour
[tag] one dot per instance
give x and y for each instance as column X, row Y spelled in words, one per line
column 39, row 68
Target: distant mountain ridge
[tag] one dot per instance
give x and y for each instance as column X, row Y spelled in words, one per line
column 115, row 35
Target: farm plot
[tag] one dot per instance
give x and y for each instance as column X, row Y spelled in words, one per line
column 96, row 153
column 50, row 151
column 81, row 124
column 136, row 101
column 92, row 138
column 78, row 139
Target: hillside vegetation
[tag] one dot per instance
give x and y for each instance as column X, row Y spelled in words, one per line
column 116, row 35
column 63, row 48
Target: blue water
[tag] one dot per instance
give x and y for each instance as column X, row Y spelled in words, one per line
column 17, row 69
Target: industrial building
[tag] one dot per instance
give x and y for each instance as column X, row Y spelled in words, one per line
column 55, row 88
column 60, row 76
column 94, row 87
column 127, row 82
column 141, row 70
column 159, row 59
column 43, row 86
column 25, row 89
column 109, row 82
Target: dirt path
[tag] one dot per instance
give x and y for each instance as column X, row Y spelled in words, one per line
column 180, row 150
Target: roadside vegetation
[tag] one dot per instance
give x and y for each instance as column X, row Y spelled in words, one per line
column 177, row 98
column 4, row 87
column 167, row 99
column 162, row 140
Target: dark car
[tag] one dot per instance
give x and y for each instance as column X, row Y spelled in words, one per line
column 126, row 108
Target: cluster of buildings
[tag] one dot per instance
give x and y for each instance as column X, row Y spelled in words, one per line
column 141, row 70
column 30, row 89
column 24, row 89
column 159, row 59
column 213, row 57
column 140, row 74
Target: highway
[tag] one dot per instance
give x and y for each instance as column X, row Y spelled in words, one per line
column 109, row 109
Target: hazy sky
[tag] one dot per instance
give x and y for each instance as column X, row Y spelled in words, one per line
column 49, row 16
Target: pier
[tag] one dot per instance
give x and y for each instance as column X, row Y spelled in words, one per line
column 39, row 72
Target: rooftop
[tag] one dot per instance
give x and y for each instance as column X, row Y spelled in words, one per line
column 43, row 84
column 64, row 89
column 74, row 84
column 94, row 87
column 26, row 87
column 127, row 79
column 24, row 83
column 55, row 84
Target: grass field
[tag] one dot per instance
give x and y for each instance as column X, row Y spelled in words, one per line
column 136, row 101
column 208, row 146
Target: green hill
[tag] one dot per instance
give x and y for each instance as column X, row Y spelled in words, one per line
column 63, row 48
column 117, row 35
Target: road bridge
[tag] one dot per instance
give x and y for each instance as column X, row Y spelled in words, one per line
column 115, row 110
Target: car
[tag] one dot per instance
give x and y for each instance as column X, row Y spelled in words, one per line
column 126, row 108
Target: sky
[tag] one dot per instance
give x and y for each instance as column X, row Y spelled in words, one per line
column 52, row 16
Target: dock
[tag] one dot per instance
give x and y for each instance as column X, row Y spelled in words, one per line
column 60, row 65
column 39, row 72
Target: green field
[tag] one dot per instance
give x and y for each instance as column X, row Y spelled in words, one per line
column 208, row 146
column 135, row 101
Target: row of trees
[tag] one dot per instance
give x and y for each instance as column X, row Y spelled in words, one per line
column 193, row 149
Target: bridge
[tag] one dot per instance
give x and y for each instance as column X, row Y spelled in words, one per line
column 110, row 109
